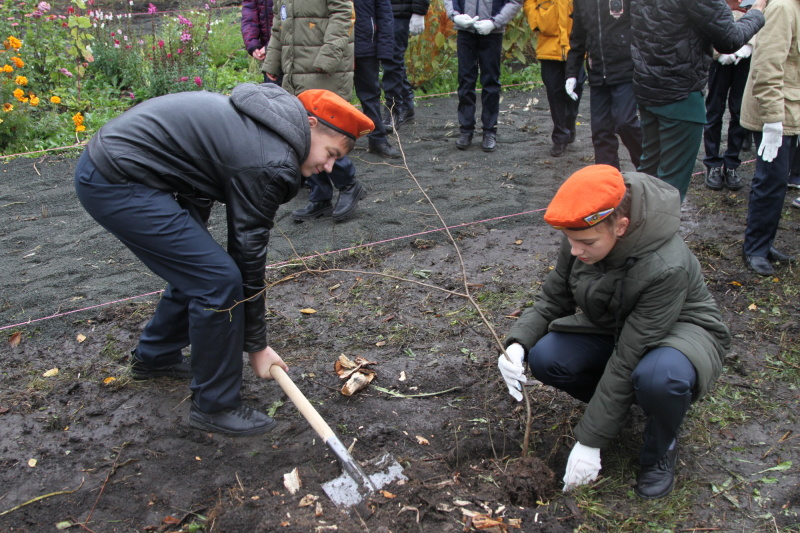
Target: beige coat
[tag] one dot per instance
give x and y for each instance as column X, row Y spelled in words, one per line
column 772, row 93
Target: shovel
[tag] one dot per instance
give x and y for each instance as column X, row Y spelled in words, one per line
column 354, row 484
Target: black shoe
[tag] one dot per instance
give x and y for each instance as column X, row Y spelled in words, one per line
column 732, row 179
column 714, row 177
column 777, row 255
column 239, row 421
column 348, row 199
column 313, row 210
column 489, row 143
column 387, row 119
column 384, row 149
column 572, row 135
column 403, row 116
column 140, row 371
column 558, row 149
column 464, row 140
column 759, row 265
column 656, row 481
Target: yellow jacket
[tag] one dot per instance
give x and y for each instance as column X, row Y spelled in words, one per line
column 552, row 19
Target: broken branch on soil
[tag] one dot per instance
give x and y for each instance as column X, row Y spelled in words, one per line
column 420, row 395
column 42, row 497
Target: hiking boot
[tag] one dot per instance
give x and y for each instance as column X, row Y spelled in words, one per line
column 313, row 210
column 732, row 179
column 489, row 143
column 558, row 149
column 242, row 421
column 464, row 140
column 140, row 371
column 387, row 119
column 759, row 265
column 656, row 481
column 714, row 178
column 384, row 149
column 348, row 199
column 403, row 116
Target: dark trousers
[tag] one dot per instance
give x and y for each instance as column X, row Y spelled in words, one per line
column 170, row 237
column 767, row 194
column 396, row 87
column 663, row 381
column 321, row 185
column 368, row 90
column 563, row 109
column 479, row 53
column 669, row 148
column 725, row 87
column 613, row 109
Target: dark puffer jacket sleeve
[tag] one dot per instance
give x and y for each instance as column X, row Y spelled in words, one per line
column 256, row 24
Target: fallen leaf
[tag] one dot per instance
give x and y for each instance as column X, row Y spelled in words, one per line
column 32, row 462
column 518, row 242
column 197, row 458
column 380, row 343
column 171, row 520
column 736, row 284
column 423, row 441
column 308, row 500
column 308, row 311
column 752, row 307
column 285, row 523
column 81, row 337
column 318, row 510
column 292, row 481
column 50, row 373
column 402, row 376
column 109, row 379
column 387, row 494
column 15, row 338
column 63, row 525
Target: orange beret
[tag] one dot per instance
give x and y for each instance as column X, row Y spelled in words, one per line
column 336, row 112
column 586, row 198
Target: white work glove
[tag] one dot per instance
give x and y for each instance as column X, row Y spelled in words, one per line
column 727, row 59
column 744, row 52
column 485, row 27
column 416, row 24
column 771, row 140
column 513, row 371
column 569, row 86
column 464, row 22
column 583, row 466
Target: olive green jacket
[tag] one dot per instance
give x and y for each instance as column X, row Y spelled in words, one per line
column 312, row 45
column 648, row 292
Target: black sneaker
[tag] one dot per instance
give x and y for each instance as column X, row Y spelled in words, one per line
column 242, row 421
column 656, row 481
column 732, row 179
column 140, row 371
column 403, row 116
column 558, row 149
column 714, row 178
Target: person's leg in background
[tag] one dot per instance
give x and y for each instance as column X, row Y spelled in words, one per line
column 679, row 141
column 368, row 90
column 626, row 120
column 720, row 78
column 736, row 133
column 468, row 46
column 604, row 139
column 399, row 105
column 489, row 60
column 651, row 142
column 553, row 73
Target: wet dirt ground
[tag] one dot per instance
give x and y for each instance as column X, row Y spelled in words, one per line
column 109, row 455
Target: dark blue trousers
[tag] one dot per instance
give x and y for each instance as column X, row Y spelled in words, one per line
column 479, row 53
column 396, row 87
column 725, row 87
column 613, row 109
column 321, row 185
column 170, row 237
column 663, row 381
column 767, row 194
column 563, row 109
column 368, row 90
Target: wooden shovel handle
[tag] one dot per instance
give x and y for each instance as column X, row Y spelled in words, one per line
column 302, row 404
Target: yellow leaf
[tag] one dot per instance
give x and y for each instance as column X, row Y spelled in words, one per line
column 387, row 494
column 736, row 284
column 518, row 241
column 197, row 458
column 81, row 337
column 109, row 379
column 752, row 307
column 308, row 311
column 15, row 338
column 32, row 462
column 50, row 373
column 423, row 441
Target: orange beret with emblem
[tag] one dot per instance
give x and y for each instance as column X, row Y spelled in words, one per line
column 588, row 197
column 336, row 112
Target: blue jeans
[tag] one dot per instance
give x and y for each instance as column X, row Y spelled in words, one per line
column 663, row 381
column 169, row 236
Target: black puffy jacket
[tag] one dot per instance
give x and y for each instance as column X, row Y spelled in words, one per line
column 605, row 38
column 672, row 42
column 243, row 151
column 403, row 9
column 374, row 29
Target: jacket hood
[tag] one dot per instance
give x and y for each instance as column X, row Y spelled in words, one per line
column 655, row 218
column 278, row 110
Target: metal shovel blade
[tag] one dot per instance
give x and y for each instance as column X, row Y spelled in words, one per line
column 345, row 491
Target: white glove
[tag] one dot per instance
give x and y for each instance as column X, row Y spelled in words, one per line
column 744, row 52
column 727, row 59
column 583, row 466
column 416, row 24
column 464, row 22
column 513, row 371
column 485, row 27
column 569, row 86
column 770, row 141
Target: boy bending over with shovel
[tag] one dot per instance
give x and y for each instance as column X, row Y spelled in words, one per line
column 150, row 177
column 649, row 331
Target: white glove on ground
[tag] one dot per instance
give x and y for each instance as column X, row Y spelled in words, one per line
column 464, row 22
column 583, row 466
column 744, row 52
column 569, row 86
column 770, row 141
column 727, row 59
column 416, row 24
column 513, row 371
column 485, row 27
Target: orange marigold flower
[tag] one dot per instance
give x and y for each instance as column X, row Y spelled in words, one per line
column 21, row 80
column 55, row 100
column 8, row 68
column 18, row 93
column 80, row 128
column 13, row 42
column 34, row 101
column 77, row 118
column 18, row 62
column 8, row 108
